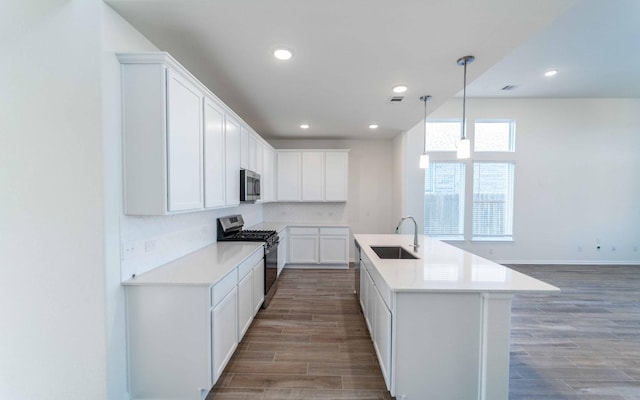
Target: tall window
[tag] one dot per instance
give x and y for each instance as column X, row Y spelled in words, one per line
column 444, row 200
column 492, row 201
column 489, row 181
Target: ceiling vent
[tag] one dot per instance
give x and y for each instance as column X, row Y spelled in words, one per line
column 509, row 87
column 396, row 99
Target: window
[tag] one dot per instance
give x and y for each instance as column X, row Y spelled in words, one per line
column 488, row 202
column 493, row 200
column 443, row 135
column 444, row 200
column 494, row 135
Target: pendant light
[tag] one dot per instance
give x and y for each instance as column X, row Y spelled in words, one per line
column 424, row 158
column 464, row 145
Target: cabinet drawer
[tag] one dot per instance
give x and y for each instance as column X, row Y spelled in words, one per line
column 303, row 231
column 223, row 287
column 334, row 231
column 247, row 265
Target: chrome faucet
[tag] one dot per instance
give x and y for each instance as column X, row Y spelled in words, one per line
column 415, row 230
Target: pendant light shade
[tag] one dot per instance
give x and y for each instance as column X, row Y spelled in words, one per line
column 464, row 145
column 424, row 158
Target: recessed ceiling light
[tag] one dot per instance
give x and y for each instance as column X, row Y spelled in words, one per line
column 551, row 72
column 399, row 89
column 282, row 54
column 304, row 126
column 373, row 126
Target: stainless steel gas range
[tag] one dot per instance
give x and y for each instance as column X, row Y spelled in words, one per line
column 230, row 229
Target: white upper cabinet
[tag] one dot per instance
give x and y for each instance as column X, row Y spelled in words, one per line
column 268, row 176
column 312, row 175
column 182, row 145
column 232, row 146
column 244, row 148
column 336, row 171
column 253, row 143
column 162, row 134
column 288, row 176
column 214, row 154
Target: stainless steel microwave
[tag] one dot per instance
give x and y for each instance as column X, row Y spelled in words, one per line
column 249, row 186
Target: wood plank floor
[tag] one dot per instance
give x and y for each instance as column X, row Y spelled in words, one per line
column 583, row 343
column 312, row 342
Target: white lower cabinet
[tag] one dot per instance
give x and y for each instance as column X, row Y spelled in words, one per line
column 180, row 337
column 303, row 245
column 378, row 317
column 224, row 337
column 309, row 246
column 245, row 302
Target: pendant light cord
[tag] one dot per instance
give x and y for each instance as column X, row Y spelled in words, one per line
column 464, row 61
column 464, row 103
column 425, row 98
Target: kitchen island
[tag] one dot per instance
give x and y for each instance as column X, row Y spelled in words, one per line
column 440, row 323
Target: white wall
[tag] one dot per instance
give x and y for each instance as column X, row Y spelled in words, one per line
column 52, row 229
column 117, row 36
column 577, row 179
column 369, row 208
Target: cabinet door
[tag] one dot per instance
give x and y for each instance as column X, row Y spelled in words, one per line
column 245, row 304
column 288, row 176
column 232, row 156
column 258, row 285
column 244, row 148
column 253, row 143
column 336, row 176
column 214, row 171
column 313, row 176
column 382, row 336
column 303, row 249
column 184, row 143
column 334, row 249
column 267, row 174
column 224, row 337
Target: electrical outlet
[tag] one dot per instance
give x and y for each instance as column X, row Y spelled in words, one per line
column 150, row 245
column 128, row 250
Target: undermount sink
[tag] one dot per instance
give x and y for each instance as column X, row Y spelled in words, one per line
column 392, row 252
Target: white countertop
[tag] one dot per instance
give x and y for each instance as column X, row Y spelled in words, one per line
column 203, row 267
column 442, row 267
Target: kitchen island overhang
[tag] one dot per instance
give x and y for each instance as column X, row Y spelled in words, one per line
column 440, row 323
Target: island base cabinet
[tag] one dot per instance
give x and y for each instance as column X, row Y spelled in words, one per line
column 451, row 346
column 165, row 360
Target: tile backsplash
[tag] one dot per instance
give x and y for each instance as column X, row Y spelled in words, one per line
column 306, row 212
column 150, row 241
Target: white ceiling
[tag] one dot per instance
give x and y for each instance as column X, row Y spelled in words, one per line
column 349, row 54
